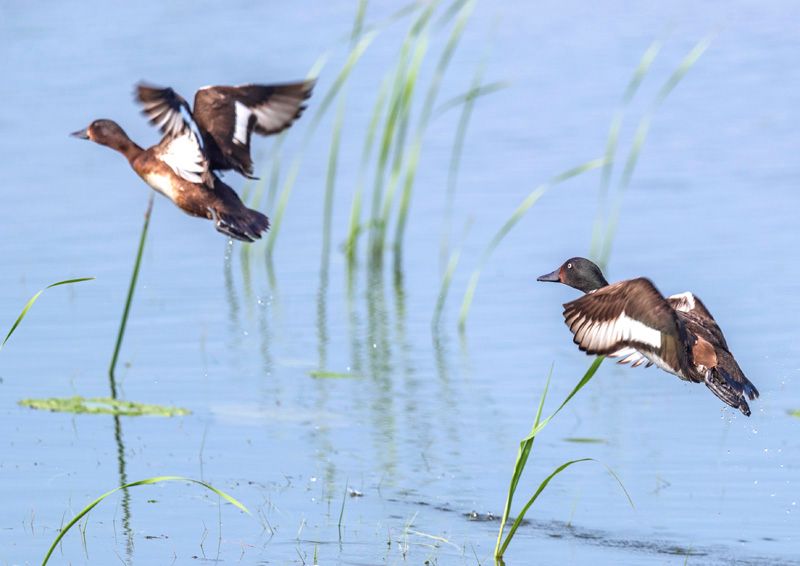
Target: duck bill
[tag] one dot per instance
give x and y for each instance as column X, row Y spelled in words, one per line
column 554, row 276
column 81, row 134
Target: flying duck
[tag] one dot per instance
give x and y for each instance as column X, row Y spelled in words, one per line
column 182, row 165
column 632, row 320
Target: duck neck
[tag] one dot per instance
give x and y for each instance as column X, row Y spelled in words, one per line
column 123, row 144
column 129, row 149
column 593, row 283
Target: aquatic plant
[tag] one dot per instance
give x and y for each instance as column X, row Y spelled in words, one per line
column 33, row 299
column 523, row 453
column 131, row 287
column 516, row 216
column 148, row 481
column 102, row 406
column 603, row 239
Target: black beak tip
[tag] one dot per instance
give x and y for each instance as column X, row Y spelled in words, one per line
column 80, row 134
column 553, row 277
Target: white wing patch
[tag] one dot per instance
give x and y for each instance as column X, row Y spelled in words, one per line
column 185, row 156
column 277, row 112
column 683, row 302
column 602, row 335
column 243, row 114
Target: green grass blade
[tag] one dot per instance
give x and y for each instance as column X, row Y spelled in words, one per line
column 447, row 279
column 407, row 95
column 132, row 286
column 464, row 12
column 642, row 130
column 344, row 73
column 396, row 123
column 353, row 57
column 521, row 515
column 366, row 152
column 476, row 91
column 520, row 211
column 33, row 299
column 525, row 447
column 645, row 63
column 358, row 23
column 581, row 384
column 147, row 481
column 330, row 180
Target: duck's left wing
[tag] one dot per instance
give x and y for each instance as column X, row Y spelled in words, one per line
column 182, row 147
column 184, row 155
column 631, row 320
column 165, row 109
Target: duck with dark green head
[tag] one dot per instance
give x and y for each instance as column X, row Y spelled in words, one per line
column 633, row 321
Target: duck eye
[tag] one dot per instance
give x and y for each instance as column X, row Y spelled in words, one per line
column 569, row 266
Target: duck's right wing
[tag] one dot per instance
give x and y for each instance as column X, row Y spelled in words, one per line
column 692, row 308
column 631, row 320
column 230, row 115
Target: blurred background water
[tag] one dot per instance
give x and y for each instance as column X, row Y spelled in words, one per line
column 429, row 431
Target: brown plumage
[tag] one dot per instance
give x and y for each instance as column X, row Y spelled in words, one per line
column 633, row 321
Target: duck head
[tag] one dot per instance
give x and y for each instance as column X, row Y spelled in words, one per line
column 577, row 272
column 105, row 132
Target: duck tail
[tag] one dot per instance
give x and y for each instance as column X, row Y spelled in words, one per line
column 728, row 382
column 246, row 224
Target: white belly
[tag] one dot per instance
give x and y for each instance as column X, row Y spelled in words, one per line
column 162, row 183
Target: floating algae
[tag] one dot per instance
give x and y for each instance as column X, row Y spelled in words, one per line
column 102, row 406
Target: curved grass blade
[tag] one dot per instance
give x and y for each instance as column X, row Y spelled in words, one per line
column 526, row 444
column 520, row 211
column 344, row 73
column 33, row 299
column 581, row 384
column 525, row 447
column 641, row 135
column 443, row 290
column 147, row 481
column 639, row 74
column 521, row 515
column 476, row 91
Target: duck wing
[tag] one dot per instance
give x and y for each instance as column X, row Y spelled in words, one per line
column 690, row 307
column 631, row 320
column 182, row 146
column 228, row 116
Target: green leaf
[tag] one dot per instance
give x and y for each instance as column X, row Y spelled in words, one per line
column 33, row 299
column 147, row 481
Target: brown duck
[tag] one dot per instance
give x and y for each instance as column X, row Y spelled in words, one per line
column 181, row 166
column 633, row 321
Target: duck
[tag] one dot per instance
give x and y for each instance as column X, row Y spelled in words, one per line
column 631, row 320
column 199, row 143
